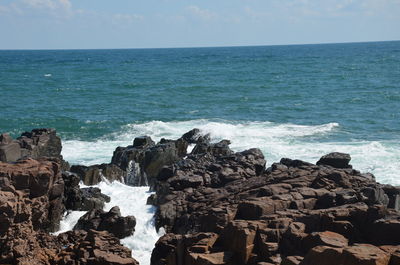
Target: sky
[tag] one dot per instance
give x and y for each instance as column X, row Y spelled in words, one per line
column 96, row 24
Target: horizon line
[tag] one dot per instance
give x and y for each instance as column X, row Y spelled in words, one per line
column 199, row 47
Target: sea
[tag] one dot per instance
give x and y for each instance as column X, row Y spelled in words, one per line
column 295, row 101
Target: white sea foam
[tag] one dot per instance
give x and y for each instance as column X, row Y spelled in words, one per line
column 275, row 140
column 69, row 220
column 47, row 75
column 132, row 201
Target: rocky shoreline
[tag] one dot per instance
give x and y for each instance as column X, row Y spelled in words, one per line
column 217, row 206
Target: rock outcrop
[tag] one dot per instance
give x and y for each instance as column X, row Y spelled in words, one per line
column 81, row 199
column 144, row 159
column 221, row 207
column 111, row 221
column 92, row 175
column 31, row 205
column 93, row 247
column 217, row 206
column 140, row 163
column 36, row 144
column 31, row 191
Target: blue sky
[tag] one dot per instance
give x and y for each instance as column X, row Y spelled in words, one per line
column 72, row 24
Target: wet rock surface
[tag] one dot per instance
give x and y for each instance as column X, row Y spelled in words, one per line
column 221, row 207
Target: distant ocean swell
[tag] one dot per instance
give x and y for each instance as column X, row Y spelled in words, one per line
column 382, row 158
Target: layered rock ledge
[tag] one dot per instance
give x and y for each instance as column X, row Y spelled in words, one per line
column 217, row 206
column 35, row 192
column 221, row 207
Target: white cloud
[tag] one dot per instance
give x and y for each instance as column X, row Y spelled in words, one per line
column 4, row 9
column 126, row 18
column 40, row 3
column 203, row 14
column 64, row 5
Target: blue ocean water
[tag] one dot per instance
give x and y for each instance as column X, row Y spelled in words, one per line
column 298, row 101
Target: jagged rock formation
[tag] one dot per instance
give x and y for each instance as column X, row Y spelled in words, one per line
column 31, row 205
column 31, row 191
column 220, row 207
column 92, row 175
column 111, row 221
column 144, row 159
column 39, row 143
column 140, row 163
column 81, row 199
column 217, row 206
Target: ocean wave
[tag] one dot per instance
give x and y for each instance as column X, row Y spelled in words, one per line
column 305, row 142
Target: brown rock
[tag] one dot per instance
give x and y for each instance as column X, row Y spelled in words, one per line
column 324, row 255
column 365, row 254
column 326, row 238
column 292, row 260
column 218, row 258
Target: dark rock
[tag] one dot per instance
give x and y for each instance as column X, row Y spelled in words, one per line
column 221, row 148
column 72, row 193
column 337, row 160
column 192, row 136
column 143, row 141
column 94, row 174
column 111, row 221
column 93, row 199
column 144, row 160
column 293, row 209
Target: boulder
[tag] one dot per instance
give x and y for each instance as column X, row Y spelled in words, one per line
column 36, row 144
column 325, row 238
column 92, row 175
column 42, row 184
column 72, row 192
column 10, row 151
column 111, row 221
column 365, row 254
column 144, row 160
column 336, row 159
column 92, row 247
column 324, row 255
column 192, row 136
column 92, row 199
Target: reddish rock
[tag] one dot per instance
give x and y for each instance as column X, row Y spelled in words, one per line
column 326, row 238
column 266, row 216
column 292, row 260
column 365, row 254
column 324, row 255
column 31, row 204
